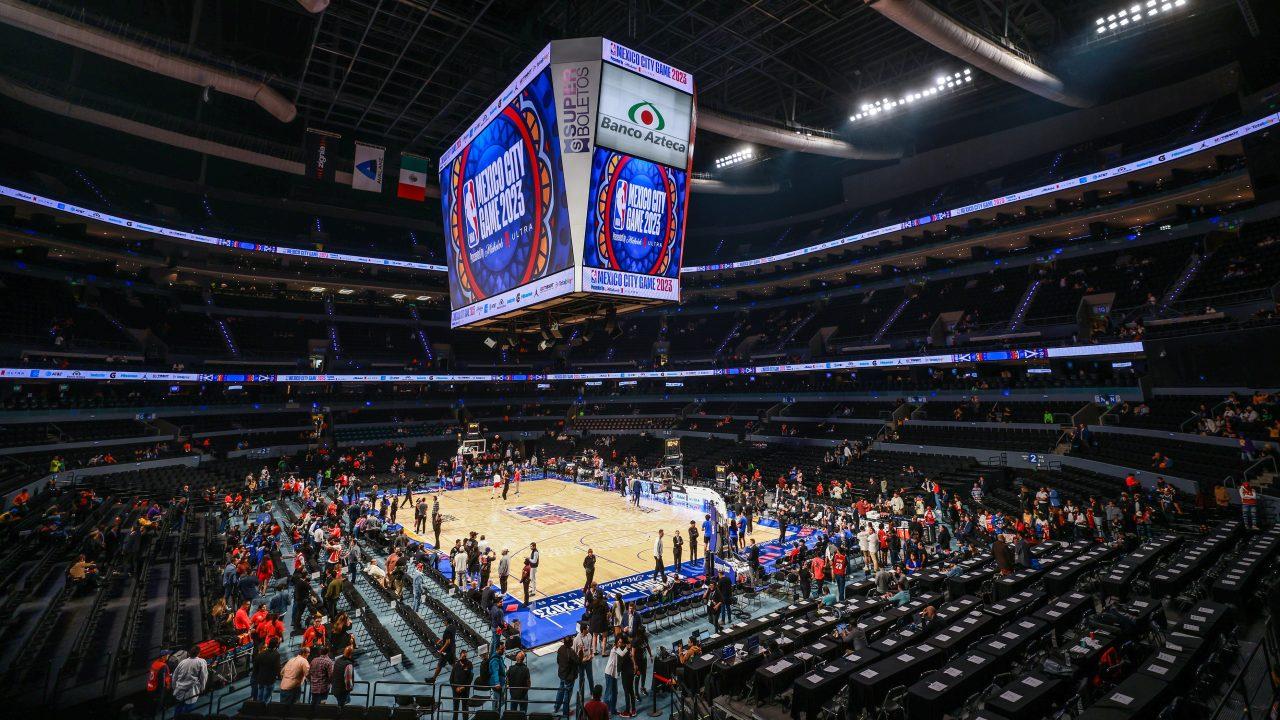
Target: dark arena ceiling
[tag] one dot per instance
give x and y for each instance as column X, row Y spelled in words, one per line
column 413, row 73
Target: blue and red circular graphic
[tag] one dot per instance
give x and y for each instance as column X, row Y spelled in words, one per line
column 505, row 219
column 636, row 215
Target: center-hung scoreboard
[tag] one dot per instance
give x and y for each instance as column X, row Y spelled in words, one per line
column 569, row 193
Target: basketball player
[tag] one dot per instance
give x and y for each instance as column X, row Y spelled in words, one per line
column 497, row 483
column 506, row 484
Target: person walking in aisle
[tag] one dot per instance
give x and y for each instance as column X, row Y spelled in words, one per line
column 266, row 667
column 190, row 678
column 293, row 674
column 567, row 674
column 611, row 676
column 460, row 678
column 498, row 675
column 518, row 684
column 320, row 675
column 584, row 646
column 446, row 650
column 627, row 678
column 344, row 676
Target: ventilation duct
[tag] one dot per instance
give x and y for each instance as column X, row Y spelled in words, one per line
column 787, row 139
column 66, row 30
column 941, row 31
column 67, row 109
column 711, row 186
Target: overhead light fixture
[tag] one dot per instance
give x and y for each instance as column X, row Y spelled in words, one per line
column 317, row 288
column 422, row 298
column 737, row 158
column 1136, row 13
column 398, row 296
column 345, row 291
column 941, row 83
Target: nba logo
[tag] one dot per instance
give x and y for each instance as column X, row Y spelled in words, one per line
column 470, row 215
column 620, row 205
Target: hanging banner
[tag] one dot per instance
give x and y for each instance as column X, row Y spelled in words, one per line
column 321, row 149
column 413, row 178
column 366, row 173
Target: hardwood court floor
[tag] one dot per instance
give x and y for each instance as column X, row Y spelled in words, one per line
column 564, row 519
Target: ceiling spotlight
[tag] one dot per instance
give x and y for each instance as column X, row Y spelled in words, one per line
column 345, row 291
column 735, row 158
column 941, row 82
column 398, row 296
column 1132, row 15
column 317, row 288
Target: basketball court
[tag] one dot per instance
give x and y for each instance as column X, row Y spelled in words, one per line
column 564, row 519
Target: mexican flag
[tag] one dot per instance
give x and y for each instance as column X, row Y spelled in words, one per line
column 413, row 178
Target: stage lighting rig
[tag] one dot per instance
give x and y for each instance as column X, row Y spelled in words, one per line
column 942, row 84
column 1139, row 12
column 736, row 158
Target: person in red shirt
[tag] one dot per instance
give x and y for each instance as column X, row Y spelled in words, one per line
column 595, row 709
column 241, row 621
column 271, row 627
column 818, row 568
column 266, row 570
column 839, row 564
column 258, row 617
column 314, row 634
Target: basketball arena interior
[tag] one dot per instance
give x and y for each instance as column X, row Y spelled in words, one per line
column 697, row 359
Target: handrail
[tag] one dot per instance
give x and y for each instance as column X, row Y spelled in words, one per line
column 503, row 701
column 1110, row 411
column 1264, row 644
column 1268, row 460
column 378, row 689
